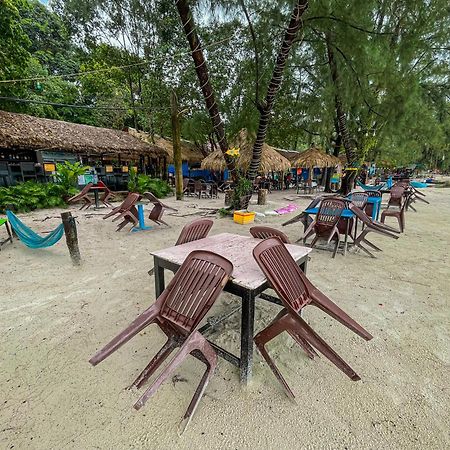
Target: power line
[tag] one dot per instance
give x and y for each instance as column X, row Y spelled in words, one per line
column 67, row 105
column 89, row 72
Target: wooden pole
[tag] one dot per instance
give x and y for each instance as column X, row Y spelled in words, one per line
column 70, row 229
column 176, row 140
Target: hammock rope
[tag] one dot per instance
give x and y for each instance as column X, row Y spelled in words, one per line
column 29, row 237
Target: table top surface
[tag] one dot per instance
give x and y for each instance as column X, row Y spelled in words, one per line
column 346, row 214
column 237, row 249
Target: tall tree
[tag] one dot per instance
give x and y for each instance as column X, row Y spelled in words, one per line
column 265, row 108
column 188, row 23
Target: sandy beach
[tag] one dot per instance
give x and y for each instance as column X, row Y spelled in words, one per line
column 54, row 317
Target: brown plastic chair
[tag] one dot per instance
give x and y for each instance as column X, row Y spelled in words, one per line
column 370, row 226
column 84, row 196
column 261, row 232
column 158, row 209
column 200, row 188
column 126, row 211
column 326, row 224
column 198, row 229
column 396, row 206
column 178, row 312
column 296, row 292
column 303, row 217
column 359, row 199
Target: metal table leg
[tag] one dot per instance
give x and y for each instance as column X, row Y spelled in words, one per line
column 159, row 277
column 96, row 198
column 247, row 323
column 346, row 237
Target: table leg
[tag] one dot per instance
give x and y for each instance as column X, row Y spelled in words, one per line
column 247, row 322
column 96, row 198
column 346, row 237
column 141, row 218
column 159, row 277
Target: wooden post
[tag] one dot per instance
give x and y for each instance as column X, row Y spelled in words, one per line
column 229, row 197
column 70, row 229
column 176, row 141
column 262, row 195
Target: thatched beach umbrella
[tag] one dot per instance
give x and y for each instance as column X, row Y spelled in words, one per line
column 315, row 157
column 271, row 160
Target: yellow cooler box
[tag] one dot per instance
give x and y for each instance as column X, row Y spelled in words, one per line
column 243, row 217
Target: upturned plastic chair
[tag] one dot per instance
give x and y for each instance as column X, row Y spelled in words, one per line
column 126, row 211
column 107, row 194
column 158, row 209
column 326, row 224
column 178, row 312
column 369, row 226
column 83, row 195
column 261, row 232
column 296, row 292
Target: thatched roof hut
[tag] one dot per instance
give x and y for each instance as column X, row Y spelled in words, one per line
column 189, row 152
column 315, row 157
column 24, row 132
column 271, row 160
column 290, row 155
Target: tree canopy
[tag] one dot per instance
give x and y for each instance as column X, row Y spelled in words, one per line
column 114, row 63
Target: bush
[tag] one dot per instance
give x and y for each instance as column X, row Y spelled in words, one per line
column 67, row 174
column 30, row 195
column 142, row 183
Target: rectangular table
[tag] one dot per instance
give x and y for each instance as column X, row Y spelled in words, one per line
column 247, row 282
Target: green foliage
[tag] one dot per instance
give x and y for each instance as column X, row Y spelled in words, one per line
column 142, row 183
column 243, row 187
column 30, row 196
column 67, row 174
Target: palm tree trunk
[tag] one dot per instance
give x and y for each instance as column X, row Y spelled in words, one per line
column 201, row 68
column 350, row 175
column 277, row 76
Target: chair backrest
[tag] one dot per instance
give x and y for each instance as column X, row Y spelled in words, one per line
column 359, row 199
column 86, row 189
column 315, row 202
column 282, row 272
column 330, row 211
column 396, row 197
column 261, row 232
column 198, row 229
column 129, row 201
column 373, row 194
column 152, row 198
column 194, row 288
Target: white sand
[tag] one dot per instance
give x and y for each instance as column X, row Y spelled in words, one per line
column 53, row 317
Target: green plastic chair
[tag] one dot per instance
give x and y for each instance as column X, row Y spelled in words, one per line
column 8, row 229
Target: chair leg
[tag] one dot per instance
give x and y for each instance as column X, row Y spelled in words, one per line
column 262, row 338
column 211, row 364
column 193, row 342
column 338, row 240
column 156, row 361
column 142, row 321
column 315, row 340
column 325, row 304
column 303, row 343
column 378, row 249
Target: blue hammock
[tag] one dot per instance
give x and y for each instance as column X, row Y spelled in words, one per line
column 368, row 187
column 32, row 239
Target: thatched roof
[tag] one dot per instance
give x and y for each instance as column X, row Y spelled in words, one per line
column 271, row 160
column 315, row 157
column 24, row 132
column 189, row 152
column 290, row 155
